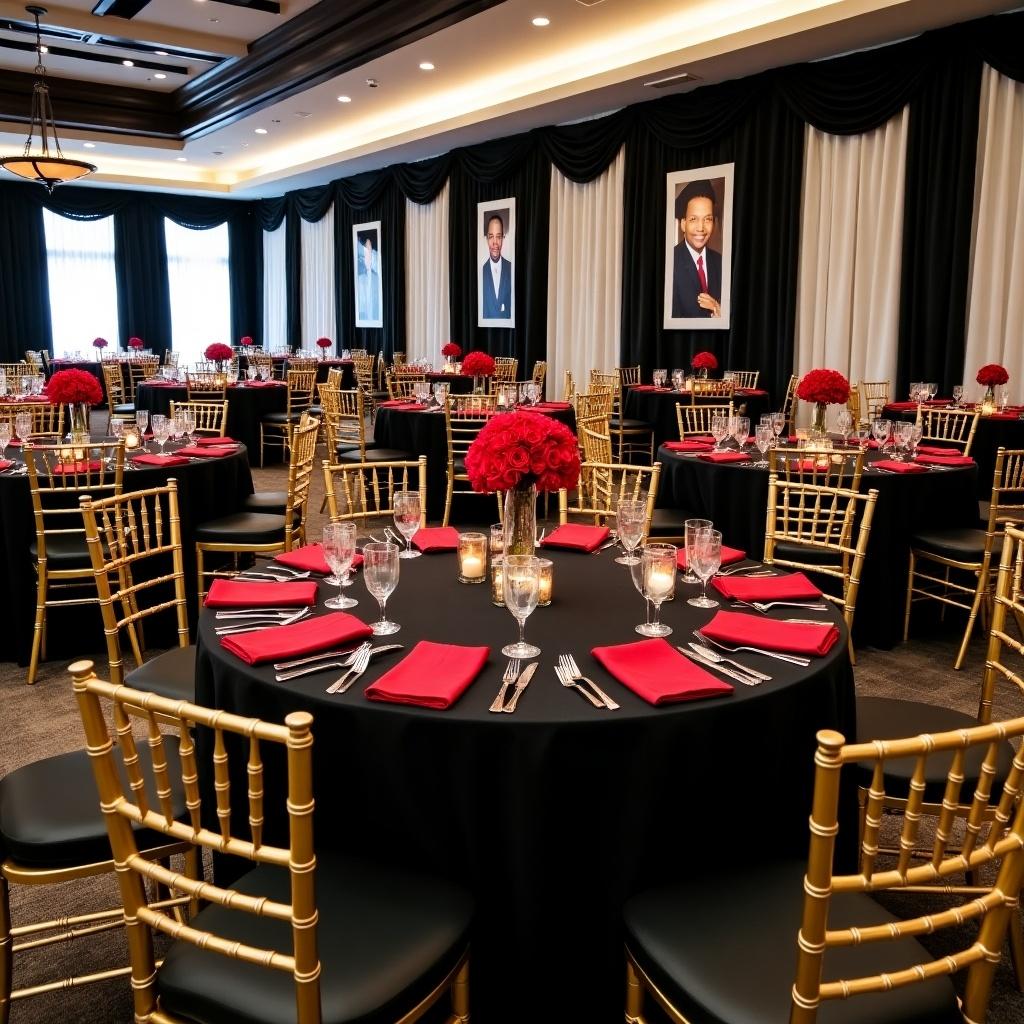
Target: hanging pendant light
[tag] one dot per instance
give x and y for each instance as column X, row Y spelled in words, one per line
column 49, row 168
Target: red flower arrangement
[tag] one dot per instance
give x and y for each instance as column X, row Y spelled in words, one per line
column 450, row 350
column 218, row 352
column 478, row 364
column 992, row 374
column 68, row 387
column 324, row 343
column 827, row 387
column 704, row 361
column 99, row 343
column 246, row 342
column 517, row 449
column 136, row 343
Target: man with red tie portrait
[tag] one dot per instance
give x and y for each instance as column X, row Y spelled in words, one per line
column 697, row 268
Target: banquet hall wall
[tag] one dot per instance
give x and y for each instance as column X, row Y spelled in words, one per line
column 759, row 122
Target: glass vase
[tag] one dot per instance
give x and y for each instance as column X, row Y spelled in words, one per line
column 988, row 402
column 818, row 425
column 79, row 421
column 521, row 520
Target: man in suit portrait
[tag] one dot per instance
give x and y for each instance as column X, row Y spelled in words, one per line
column 496, row 280
column 367, row 281
column 697, row 268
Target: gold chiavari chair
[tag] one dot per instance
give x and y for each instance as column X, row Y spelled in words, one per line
column 58, row 474
column 211, row 417
column 118, row 405
column 303, row 364
column 594, row 403
column 14, row 372
column 601, row 379
column 874, row 396
column 703, row 389
column 877, row 969
column 47, row 418
column 366, row 382
column 595, row 439
column 630, row 437
column 365, row 492
column 953, row 427
column 262, row 532
column 345, row 426
column 629, row 376
column 140, row 368
column 789, row 402
column 505, row 369
column 569, row 388
column 33, row 359
column 853, row 405
column 229, row 962
column 540, row 372
column 822, row 466
column 745, row 378
column 603, row 485
column 464, row 417
column 935, row 555
column 400, row 385
column 206, row 386
column 276, row 428
column 696, row 419
column 262, row 362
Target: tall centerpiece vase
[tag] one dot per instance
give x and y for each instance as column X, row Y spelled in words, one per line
column 988, row 402
column 521, row 520
column 79, row 421
column 703, row 373
column 818, row 425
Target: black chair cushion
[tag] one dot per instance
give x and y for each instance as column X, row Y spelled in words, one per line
column 266, row 501
column 280, row 418
column 386, row 937
column 723, row 950
column 886, row 718
column 50, row 810
column 64, row 551
column 964, row 545
column 984, row 507
column 171, row 674
column 627, row 424
column 374, row 455
column 124, row 408
column 802, row 553
column 243, row 527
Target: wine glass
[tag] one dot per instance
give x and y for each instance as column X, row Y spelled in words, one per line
column 916, row 433
column 933, row 389
column 844, row 424
column 778, row 425
column 880, row 430
column 677, row 379
column 739, row 427
column 380, row 571
column 521, row 585
column 958, row 395
column 23, row 425
column 339, row 544
column 707, row 559
column 142, row 421
column 407, row 519
column 251, row 372
column 659, row 378
column 1004, row 398
column 719, row 430
column 189, row 421
column 690, row 529
column 630, row 520
column 5, row 438
column 902, row 436
column 763, row 440
column 159, row 424
column 659, row 576
column 440, row 394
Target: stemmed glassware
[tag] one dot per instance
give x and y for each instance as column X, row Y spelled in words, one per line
column 630, row 519
column 159, row 424
column 188, row 420
column 380, row 571
column 902, row 435
column 5, row 438
column 658, row 567
column 763, row 440
column 407, row 519
column 659, row 378
column 690, row 529
column 678, row 377
column 880, row 429
column 23, row 425
column 778, row 425
column 441, row 393
column 706, row 561
column 339, row 544
column 142, row 422
column 844, row 424
column 958, row 395
column 739, row 427
column 719, row 430
column 521, row 585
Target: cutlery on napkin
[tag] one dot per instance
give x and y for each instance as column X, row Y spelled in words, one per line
column 657, row 672
column 432, row 675
column 238, row 594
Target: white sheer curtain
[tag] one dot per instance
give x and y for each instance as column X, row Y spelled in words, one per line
column 427, row 323
column 83, row 285
column 318, row 282
column 848, row 287
column 995, row 307
column 275, row 289
column 584, row 276
column 200, row 289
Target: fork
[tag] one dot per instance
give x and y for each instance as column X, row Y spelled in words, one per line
column 566, row 680
column 745, row 568
column 511, row 671
column 346, row 679
column 568, row 663
column 717, row 658
column 346, row 662
column 793, row 659
column 763, row 606
column 253, row 575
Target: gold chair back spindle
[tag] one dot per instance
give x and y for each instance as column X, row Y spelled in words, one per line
column 603, row 485
column 954, row 427
column 464, row 417
column 211, row 417
column 696, row 419
column 362, row 492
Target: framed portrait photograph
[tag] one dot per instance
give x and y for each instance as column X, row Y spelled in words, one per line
column 367, row 275
column 496, row 257
column 698, row 247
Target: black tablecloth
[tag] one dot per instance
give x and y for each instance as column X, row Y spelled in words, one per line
column 247, row 405
column 554, row 815
column 423, row 433
column 734, row 496
column 207, row 489
column 659, row 408
column 458, row 384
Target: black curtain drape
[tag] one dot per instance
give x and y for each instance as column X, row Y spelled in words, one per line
column 140, row 261
column 24, row 283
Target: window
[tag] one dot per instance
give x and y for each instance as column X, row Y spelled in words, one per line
column 200, row 288
column 83, row 285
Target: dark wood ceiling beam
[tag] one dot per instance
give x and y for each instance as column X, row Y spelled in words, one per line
column 264, row 6
column 93, row 55
column 119, row 8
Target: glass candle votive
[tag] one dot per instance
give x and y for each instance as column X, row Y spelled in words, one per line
column 131, row 439
column 547, row 580
column 472, row 558
column 497, row 541
column 497, row 583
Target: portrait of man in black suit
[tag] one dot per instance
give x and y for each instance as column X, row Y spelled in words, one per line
column 497, row 274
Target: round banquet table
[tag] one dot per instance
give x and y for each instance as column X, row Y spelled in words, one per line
column 994, row 432
column 458, row 383
column 734, row 497
column 423, row 433
column 554, row 815
column 659, row 408
column 207, row 489
column 247, row 405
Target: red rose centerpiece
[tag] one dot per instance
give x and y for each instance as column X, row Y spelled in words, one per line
column 137, row 344
column 521, row 453
column 704, row 361
column 478, row 364
column 246, row 341
column 218, row 352
column 450, row 350
column 991, row 375
column 323, row 344
column 78, row 390
column 824, row 388
column 99, row 343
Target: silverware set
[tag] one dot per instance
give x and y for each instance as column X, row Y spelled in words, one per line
column 270, row 572
column 793, row 659
column 511, row 673
column 347, row 659
column 746, row 570
column 764, row 606
column 238, row 621
column 512, row 677
column 712, row 659
column 567, row 669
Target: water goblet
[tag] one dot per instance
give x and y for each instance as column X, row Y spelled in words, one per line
column 252, row 372
column 719, row 430
column 707, row 559
column 380, row 572
column 23, row 425
column 844, row 424
column 1004, row 398
column 521, row 584
column 739, row 427
column 339, row 544
column 933, row 389
column 778, row 425
column 660, row 376
column 159, row 424
column 441, row 394
column 630, row 520
column 142, row 422
column 763, row 440
column 659, row 577
column 677, row 379
column 916, row 433
column 880, row 430
column 189, row 422
column 407, row 519
column 690, row 529
column 5, row 438
column 902, row 436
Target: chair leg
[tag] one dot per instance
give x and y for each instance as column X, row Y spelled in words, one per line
column 199, row 576
column 261, row 446
column 910, row 594
column 39, row 630
column 1016, row 948
column 448, row 500
column 634, row 995
column 460, row 996
column 6, row 952
column 978, row 595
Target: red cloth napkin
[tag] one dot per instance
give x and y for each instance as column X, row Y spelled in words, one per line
column 6, row 464
column 436, row 538
column 687, row 446
column 207, row 441
column 148, row 459
column 208, row 451
column 253, row 594
column 551, row 406
column 724, row 457
column 899, row 467
column 430, row 676
column 649, row 387
column 792, row 587
column 1004, row 416
column 657, row 672
column 336, row 629
column 931, row 449
column 736, row 628
column 311, row 558
column 578, row 537
column 729, row 555
column 263, row 384
column 911, row 406
column 946, row 460
column 401, row 403
column 61, row 468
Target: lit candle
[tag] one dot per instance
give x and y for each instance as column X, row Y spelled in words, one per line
column 546, row 577
column 472, row 558
column 131, row 440
column 497, row 584
column 660, row 582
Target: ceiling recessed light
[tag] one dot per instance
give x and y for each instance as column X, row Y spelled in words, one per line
column 541, row 22
column 373, row 83
column 159, row 74
column 44, row 49
column 89, row 145
column 128, row 63
column 303, row 113
column 182, row 159
column 260, row 131
column 160, row 53
column 344, row 99
column 426, row 66
column 218, row 152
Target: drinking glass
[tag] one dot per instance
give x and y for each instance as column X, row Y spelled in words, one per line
column 159, row 424
column 763, row 440
column 677, row 379
column 252, row 372
column 707, row 559
column 380, row 571
column 441, row 394
column 189, row 419
column 778, row 425
column 958, row 395
column 339, row 544
column 916, row 432
column 521, row 583
column 659, row 576
column 880, row 429
column 844, row 423
column 660, row 376
column 739, row 427
column 862, row 438
column 636, row 573
column 5, row 438
column 407, row 519
column 23, row 425
column 690, row 529
column 902, row 436
column 142, row 421
column 264, row 373
column 26, row 386
column 630, row 520
column 1004, row 398
column 933, row 389
column 719, row 430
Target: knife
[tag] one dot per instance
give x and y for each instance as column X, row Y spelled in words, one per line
column 717, row 658
column 309, row 670
column 746, row 680
column 521, row 683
